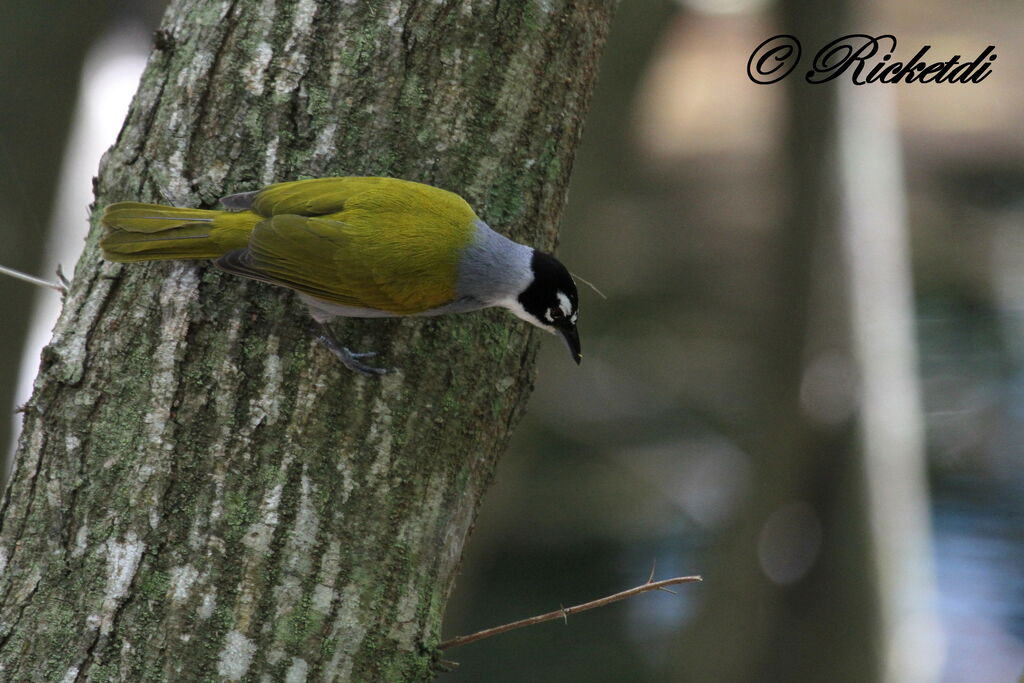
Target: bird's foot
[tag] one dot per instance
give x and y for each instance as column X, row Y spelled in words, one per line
column 349, row 359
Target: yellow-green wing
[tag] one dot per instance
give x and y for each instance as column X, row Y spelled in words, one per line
column 401, row 261
column 324, row 196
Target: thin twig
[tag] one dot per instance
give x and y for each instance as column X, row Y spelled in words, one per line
column 18, row 275
column 566, row 611
column 591, row 285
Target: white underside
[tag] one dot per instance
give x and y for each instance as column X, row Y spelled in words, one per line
column 322, row 311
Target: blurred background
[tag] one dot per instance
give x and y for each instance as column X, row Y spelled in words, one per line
column 807, row 381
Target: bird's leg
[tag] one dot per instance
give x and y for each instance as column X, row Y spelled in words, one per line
column 348, row 359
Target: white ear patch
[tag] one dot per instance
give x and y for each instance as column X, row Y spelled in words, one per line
column 564, row 304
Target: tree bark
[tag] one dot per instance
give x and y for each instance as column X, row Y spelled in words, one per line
column 200, row 490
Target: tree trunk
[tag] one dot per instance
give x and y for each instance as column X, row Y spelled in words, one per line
column 799, row 553
column 840, row 468
column 201, row 491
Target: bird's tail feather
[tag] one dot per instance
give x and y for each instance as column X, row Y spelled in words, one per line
column 150, row 232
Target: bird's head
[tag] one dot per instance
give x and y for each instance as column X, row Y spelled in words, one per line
column 550, row 301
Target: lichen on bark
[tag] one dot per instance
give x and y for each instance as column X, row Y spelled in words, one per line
column 200, row 491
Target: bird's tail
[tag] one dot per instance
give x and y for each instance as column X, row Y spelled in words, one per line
column 151, row 232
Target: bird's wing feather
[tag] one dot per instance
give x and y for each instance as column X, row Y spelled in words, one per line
column 314, row 197
column 401, row 261
column 324, row 196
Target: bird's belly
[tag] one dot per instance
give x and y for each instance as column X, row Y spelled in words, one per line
column 325, row 310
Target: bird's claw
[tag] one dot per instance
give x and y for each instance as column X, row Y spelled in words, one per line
column 351, row 360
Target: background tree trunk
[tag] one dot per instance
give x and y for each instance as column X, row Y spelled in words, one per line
column 202, row 491
column 42, row 47
column 840, row 467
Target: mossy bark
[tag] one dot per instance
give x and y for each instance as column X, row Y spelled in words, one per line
column 201, row 491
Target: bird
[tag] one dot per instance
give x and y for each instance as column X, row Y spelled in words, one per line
column 360, row 247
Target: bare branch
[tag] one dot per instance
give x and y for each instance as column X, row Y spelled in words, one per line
column 566, row 611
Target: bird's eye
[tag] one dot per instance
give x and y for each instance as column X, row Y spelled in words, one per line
column 555, row 314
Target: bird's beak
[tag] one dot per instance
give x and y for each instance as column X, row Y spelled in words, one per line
column 572, row 342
